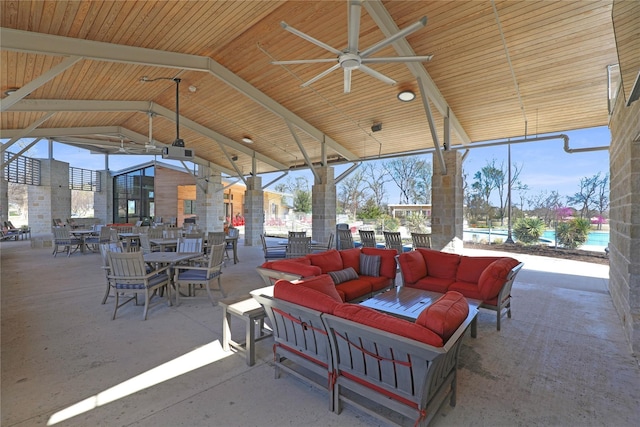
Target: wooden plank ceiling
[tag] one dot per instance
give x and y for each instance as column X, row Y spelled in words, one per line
column 558, row 51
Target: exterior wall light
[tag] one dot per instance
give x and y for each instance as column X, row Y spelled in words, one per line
column 406, row 96
column 247, row 140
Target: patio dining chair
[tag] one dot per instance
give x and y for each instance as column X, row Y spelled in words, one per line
column 297, row 234
column 233, row 233
column 421, row 240
column 62, row 239
column 189, row 244
column 322, row 247
column 195, row 277
column 368, row 238
column 103, row 237
column 128, row 273
column 298, row 247
column 272, row 252
column 345, row 239
column 393, row 240
column 105, row 248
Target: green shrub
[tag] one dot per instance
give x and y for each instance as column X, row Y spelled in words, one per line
column 572, row 234
column 528, row 230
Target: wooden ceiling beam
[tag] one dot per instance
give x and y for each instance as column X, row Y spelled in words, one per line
column 383, row 19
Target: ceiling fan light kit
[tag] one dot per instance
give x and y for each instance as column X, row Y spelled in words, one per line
column 352, row 58
column 406, row 96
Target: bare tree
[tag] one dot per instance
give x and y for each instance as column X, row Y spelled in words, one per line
column 602, row 199
column 586, row 197
column 375, row 179
column 408, row 174
column 351, row 194
column 81, row 203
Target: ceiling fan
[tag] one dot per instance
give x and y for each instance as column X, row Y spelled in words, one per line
column 352, row 58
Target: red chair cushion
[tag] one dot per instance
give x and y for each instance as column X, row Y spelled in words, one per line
column 413, row 266
column 305, row 270
column 445, row 315
column 433, row 284
column 471, row 267
column 327, row 261
column 354, row 289
column 351, row 258
column 440, row 264
column 494, row 276
column 387, row 260
column 323, row 283
column 370, row 317
column 305, row 296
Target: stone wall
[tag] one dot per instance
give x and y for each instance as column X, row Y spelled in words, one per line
column 253, row 211
column 52, row 198
column 323, row 205
column 103, row 199
column 447, row 204
column 624, row 273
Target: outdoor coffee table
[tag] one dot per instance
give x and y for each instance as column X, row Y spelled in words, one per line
column 408, row 303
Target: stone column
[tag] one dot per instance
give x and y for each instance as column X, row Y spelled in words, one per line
column 323, row 205
column 447, row 203
column 253, row 211
column 103, row 199
column 624, row 223
column 209, row 200
column 52, row 198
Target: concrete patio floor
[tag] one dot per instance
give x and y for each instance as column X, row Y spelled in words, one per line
column 561, row 360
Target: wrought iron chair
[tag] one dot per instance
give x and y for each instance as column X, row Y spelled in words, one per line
column 345, row 239
column 298, row 246
column 368, row 238
column 62, row 239
column 421, row 240
column 128, row 272
column 192, row 276
column 392, row 240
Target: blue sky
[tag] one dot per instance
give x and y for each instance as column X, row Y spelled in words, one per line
column 545, row 165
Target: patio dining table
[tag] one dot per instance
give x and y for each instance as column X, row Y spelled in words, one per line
column 82, row 235
column 164, row 243
column 170, row 258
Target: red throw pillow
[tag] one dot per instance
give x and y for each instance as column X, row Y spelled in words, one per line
column 302, row 269
column 387, row 260
column 351, row 258
column 413, row 266
column 323, row 283
column 445, row 315
column 370, row 317
column 494, row 276
column 442, row 265
column 304, row 296
column 327, row 261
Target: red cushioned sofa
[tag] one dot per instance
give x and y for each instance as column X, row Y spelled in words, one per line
column 487, row 279
column 363, row 357
column 355, row 272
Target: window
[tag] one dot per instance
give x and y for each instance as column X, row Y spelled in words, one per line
column 189, row 207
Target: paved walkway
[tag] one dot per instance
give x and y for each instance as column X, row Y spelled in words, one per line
column 561, row 360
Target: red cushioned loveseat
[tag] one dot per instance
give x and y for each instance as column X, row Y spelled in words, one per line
column 364, row 357
column 487, row 279
column 357, row 273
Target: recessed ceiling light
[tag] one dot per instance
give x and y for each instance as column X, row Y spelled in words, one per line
column 247, row 140
column 406, row 96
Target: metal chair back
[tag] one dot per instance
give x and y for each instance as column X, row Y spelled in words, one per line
column 368, row 238
column 421, row 240
column 392, row 240
column 346, row 239
column 298, row 246
column 188, row 244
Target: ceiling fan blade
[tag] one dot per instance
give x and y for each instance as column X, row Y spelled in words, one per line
column 377, row 75
column 402, row 33
column 304, row 61
column 347, row 80
column 423, row 58
column 353, row 22
column 321, row 75
column 309, row 38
